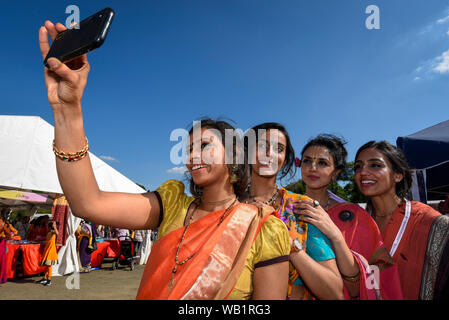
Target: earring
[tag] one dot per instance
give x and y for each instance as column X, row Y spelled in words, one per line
column 198, row 190
column 234, row 177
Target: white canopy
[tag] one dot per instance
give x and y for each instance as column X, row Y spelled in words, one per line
column 27, row 162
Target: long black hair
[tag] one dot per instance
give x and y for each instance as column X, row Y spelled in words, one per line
column 240, row 170
column 289, row 167
column 398, row 163
column 335, row 146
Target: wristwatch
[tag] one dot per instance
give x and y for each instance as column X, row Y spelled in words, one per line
column 296, row 245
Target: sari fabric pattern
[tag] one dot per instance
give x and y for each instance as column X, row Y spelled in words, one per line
column 296, row 228
column 50, row 256
column 315, row 243
column 222, row 250
column 363, row 238
column 412, row 250
column 435, row 279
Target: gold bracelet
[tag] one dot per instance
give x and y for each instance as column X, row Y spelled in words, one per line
column 71, row 156
column 354, row 278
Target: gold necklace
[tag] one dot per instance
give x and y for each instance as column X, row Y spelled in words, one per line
column 269, row 201
column 177, row 263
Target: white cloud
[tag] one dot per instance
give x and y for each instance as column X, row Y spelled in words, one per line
column 177, row 170
column 417, row 78
column 109, row 158
column 441, row 63
column 443, row 20
column 436, row 26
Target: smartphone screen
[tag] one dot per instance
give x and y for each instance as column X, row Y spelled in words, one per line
column 74, row 42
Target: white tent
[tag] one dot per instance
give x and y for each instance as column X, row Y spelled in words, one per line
column 27, row 163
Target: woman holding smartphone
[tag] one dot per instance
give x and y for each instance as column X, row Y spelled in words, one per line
column 197, row 255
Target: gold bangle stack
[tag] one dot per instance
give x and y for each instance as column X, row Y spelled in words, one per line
column 71, row 156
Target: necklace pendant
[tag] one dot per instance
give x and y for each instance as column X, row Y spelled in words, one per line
column 171, row 283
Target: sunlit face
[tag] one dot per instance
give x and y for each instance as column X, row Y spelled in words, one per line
column 270, row 153
column 373, row 173
column 317, row 167
column 206, row 158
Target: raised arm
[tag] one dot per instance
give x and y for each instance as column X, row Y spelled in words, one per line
column 65, row 86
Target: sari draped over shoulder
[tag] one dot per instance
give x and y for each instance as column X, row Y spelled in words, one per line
column 423, row 251
column 50, row 255
column 316, row 244
column 220, row 248
column 379, row 279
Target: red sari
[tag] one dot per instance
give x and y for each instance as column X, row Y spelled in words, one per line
column 410, row 255
column 365, row 241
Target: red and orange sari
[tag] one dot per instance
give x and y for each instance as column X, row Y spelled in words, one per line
column 220, row 251
column 379, row 279
column 422, row 251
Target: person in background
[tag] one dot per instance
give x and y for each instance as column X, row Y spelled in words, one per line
column 138, row 237
column 100, row 231
column 8, row 231
column 85, row 238
column 5, row 234
column 23, row 226
column 146, row 246
column 50, row 256
column 119, row 233
column 416, row 235
column 39, row 229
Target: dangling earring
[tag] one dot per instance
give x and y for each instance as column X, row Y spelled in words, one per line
column 198, row 190
column 234, row 177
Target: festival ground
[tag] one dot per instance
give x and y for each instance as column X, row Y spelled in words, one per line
column 102, row 284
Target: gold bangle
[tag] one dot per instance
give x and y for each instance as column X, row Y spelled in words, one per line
column 71, row 156
column 354, row 278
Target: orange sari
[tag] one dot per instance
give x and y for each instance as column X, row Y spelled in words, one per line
column 50, row 256
column 220, row 251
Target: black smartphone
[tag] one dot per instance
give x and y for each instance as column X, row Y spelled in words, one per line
column 75, row 42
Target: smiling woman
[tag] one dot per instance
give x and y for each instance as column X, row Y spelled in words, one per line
column 230, row 257
column 353, row 234
column 210, row 244
column 415, row 234
column 311, row 256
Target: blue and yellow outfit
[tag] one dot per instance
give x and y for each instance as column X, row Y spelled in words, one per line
column 318, row 246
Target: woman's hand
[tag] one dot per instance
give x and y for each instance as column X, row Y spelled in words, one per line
column 65, row 82
column 318, row 217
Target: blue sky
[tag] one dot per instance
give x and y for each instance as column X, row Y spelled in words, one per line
column 311, row 65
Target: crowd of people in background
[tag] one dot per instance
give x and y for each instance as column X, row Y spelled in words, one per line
column 42, row 230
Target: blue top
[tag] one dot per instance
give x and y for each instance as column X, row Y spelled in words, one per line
column 318, row 246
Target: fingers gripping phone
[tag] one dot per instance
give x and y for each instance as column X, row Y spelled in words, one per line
column 90, row 35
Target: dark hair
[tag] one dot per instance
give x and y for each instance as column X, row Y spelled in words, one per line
column 335, row 146
column 289, row 167
column 398, row 163
column 239, row 169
